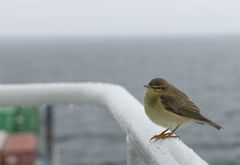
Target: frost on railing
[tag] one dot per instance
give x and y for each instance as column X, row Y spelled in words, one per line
column 126, row 109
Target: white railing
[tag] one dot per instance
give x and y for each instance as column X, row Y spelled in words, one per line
column 126, row 109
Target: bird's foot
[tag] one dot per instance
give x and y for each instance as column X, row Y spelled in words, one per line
column 163, row 136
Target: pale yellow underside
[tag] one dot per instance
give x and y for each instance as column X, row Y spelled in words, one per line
column 160, row 116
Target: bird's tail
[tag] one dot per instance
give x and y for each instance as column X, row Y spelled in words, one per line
column 213, row 124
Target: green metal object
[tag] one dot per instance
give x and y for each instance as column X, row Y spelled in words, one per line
column 28, row 119
column 8, row 119
column 20, row 119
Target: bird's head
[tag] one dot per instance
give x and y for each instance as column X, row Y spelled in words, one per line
column 157, row 86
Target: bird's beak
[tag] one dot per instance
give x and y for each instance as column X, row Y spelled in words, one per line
column 146, row 86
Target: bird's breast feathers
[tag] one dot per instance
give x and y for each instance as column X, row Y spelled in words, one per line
column 160, row 116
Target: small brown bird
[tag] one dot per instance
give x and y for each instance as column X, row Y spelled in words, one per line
column 169, row 107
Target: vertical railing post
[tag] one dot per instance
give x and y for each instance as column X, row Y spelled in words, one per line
column 49, row 134
column 133, row 158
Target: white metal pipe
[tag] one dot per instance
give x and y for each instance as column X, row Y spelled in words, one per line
column 126, row 109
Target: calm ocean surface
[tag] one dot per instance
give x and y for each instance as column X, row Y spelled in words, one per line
column 206, row 68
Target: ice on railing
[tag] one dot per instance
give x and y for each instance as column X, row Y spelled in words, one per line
column 126, row 109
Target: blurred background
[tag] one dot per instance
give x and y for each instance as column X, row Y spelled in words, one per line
column 193, row 44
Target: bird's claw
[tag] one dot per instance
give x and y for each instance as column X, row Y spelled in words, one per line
column 163, row 136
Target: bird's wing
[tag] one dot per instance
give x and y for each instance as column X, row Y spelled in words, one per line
column 181, row 106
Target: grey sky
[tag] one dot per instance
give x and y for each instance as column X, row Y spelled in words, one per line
column 118, row 17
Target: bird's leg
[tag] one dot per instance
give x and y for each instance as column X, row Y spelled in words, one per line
column 160, row 136
column 175, row 128
column 170, row 135
column 165, row 135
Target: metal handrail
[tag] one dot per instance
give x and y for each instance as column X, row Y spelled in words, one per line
column 125, row 108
